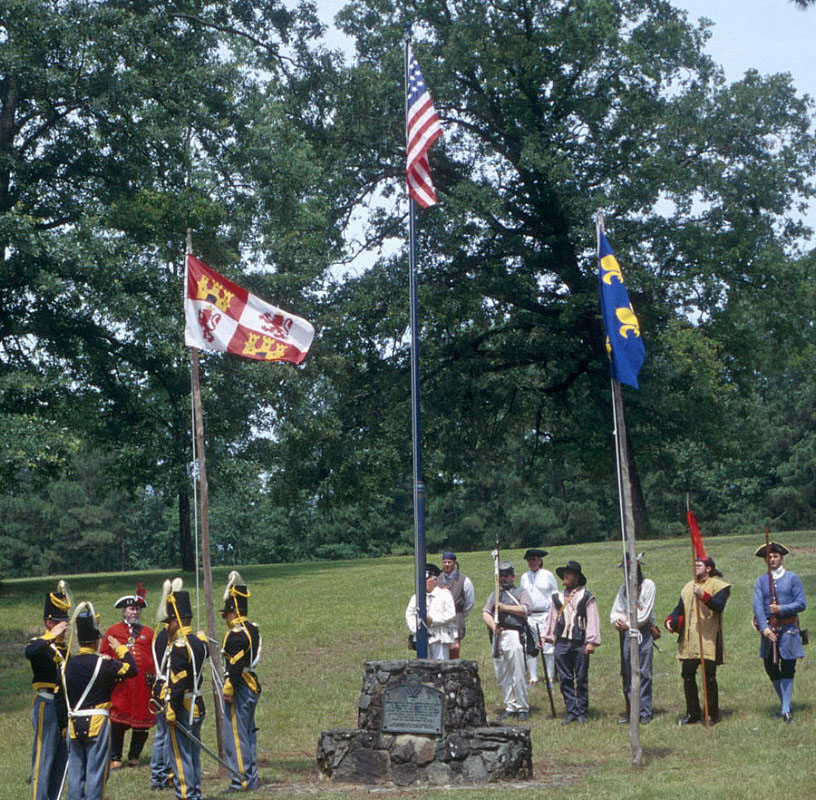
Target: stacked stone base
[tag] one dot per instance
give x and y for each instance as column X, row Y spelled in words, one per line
column 474, row 755
column 468, row 751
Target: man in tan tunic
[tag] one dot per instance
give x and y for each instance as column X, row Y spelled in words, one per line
column 701, row 603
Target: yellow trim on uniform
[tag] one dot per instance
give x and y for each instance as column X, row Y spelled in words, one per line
column 36, row 769
column 237, row 740
column 179, row 765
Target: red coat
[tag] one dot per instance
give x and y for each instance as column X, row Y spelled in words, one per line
column 129, row 699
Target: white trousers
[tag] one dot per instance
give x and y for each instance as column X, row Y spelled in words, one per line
column 439, row 651
column 510, row 674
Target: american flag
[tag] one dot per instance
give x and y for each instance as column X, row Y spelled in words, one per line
column 423, row 129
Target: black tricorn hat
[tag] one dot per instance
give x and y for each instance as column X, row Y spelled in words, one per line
column 572, row 566
column 534, row 552
column 178, row 606
column 236, row 596
column 57, row 604
column 87, row 626
column 774, row 547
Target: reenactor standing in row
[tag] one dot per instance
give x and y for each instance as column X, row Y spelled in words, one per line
column 49, row 715
column 241, row 651
column 161, row 771
column 89, row 680
column 184, row 710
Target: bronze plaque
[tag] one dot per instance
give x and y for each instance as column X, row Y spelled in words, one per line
column 413, row 707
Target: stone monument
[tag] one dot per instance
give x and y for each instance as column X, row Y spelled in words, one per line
column 423, row 722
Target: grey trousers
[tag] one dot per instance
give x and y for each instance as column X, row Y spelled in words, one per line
column 646, row 658
column 185, row 757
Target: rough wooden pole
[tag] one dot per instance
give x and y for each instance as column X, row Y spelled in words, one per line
column 206, row 564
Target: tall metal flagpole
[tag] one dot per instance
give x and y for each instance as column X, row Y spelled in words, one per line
column 205, row 526
column 630, row 557
column 419, row 484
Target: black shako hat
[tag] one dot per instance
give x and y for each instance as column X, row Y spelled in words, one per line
column 534, row 552
column 572, row 566
column 178, row 606
column 57, row 604
column 87, row 626
column 236, row 595
column 773, row 547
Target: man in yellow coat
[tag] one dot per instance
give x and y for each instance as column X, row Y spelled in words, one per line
column 697, row 618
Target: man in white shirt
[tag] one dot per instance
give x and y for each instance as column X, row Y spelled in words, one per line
column 440, row 613
column 461, row 588
column 619, row 617
column 541, row 586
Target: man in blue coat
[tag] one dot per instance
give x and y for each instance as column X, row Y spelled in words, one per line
column 779, row 597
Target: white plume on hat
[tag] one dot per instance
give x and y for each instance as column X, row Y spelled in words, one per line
column 62, row 588
column 234, row 579
column 169, row 586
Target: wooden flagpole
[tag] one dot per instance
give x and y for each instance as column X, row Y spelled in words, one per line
column 206, row 564
column 630, row 559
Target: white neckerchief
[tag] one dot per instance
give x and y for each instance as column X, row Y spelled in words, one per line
column 778, row 573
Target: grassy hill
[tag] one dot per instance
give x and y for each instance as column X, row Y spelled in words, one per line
column 321, row 621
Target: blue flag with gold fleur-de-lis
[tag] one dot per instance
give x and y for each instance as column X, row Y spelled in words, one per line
column 623, row 342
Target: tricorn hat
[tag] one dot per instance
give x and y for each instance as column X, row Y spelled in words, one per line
column 138, row 599
column 572, row 566
column 236, row 596
column 178, row 606
column 86, row 621
column 432, row 571
column 535, row 552
column 773, row 547
column 57, row 603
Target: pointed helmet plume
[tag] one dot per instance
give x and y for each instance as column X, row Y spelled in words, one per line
column 234, row 579
column 169, row 586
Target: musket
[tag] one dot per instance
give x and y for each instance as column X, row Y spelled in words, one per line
column 497, row 595
column 161, row 708
column 772, row 620
column 546, row 674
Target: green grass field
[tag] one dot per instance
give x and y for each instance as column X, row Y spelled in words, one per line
column 321, row 621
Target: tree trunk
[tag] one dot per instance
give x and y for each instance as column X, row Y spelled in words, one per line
column 186, row 549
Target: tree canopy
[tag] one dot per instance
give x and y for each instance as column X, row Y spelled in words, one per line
column 123, row 125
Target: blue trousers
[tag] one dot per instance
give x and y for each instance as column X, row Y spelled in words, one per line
column 160, row 769
column 240, row 742
column 49, row 753
column 572, row 666
column 185, row 759
column 88, row 765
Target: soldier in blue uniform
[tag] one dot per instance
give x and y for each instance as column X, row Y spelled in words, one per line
column 49, row 717
column 241, row 650
column 184, row 711
column 776, row 616
column 89, row 682
column 161, row 771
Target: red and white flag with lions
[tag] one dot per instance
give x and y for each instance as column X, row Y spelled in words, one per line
column 220, row 315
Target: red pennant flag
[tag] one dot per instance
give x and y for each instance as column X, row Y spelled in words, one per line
column 696, row 536
column 220, row 315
